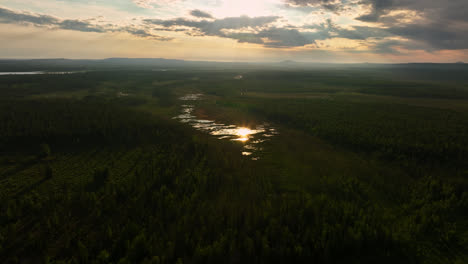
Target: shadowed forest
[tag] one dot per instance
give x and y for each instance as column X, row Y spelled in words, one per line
column 369, row 165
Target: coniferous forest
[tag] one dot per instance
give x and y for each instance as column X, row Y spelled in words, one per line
column 368, row 165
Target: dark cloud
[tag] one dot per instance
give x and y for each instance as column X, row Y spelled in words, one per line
column 421, row 24
column 141, row 33
column 432, row 25
column 214, row 27
column 263, row 32
column 379, row 8
column 429, row 37
column 331, row 5
column 440, row 24
column 329, row 30
column 363, row 33
column 254, row 38
column 199, row 13
column 79, row 25
column 13, row 17
column 274, row 37
column 453, row 10
column 259, row 30
column 280, row 37
column 8, row 16
column 204, row 27
column 434, row 36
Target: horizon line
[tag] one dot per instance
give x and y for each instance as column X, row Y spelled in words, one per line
column 221, row 61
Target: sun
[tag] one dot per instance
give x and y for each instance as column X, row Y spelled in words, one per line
column 232, row 8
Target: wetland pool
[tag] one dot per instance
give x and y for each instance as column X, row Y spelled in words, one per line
column 250, row 137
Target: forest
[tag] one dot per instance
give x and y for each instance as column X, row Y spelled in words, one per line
column 369, row 165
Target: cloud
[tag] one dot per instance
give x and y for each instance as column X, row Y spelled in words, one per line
column 199, row 13
column 435, row 36
column 453, row 10
column 434, row 25
column 151, row 3
column 9, row 16
column 331, row 5
column 79, row 25
column 39, row 20
column 280, row 37
column 377, row 9
column 274, row 37
column 260, row 30
column 214, row 27
column 392, row 26
column 329, row 30
column 257, row 30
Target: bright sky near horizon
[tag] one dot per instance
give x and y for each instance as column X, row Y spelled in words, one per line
column 240, row 30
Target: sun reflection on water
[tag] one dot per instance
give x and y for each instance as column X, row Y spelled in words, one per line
column 252, row 138
column 243, row 134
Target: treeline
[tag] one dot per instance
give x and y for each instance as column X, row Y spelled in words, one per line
column 416, row 89
column 411, row 82
column 68, row 122
column 21, row 86
column 389, row 130
column 18, row 86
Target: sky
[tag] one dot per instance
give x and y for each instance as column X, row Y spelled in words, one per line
column 336, row 31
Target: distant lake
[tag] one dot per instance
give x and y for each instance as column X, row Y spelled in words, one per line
column 33, row 73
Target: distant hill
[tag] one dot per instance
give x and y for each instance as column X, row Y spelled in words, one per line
column 140, row 61
column 60, row 64
column 110, row 63
column 288, row 62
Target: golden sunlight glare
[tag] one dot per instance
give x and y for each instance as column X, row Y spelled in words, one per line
column 245, row 7
column 243, row 133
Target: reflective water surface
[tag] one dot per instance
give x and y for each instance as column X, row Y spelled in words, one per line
column 33, row 73
column 251, row 137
